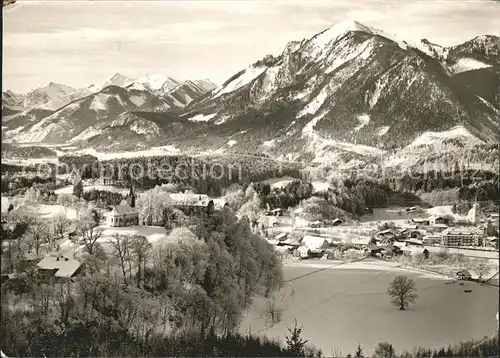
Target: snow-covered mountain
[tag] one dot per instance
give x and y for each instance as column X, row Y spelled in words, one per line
column 58, row 113
column 348, row 91
column 347, row 84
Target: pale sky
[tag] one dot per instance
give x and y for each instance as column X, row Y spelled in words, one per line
column 79, row 43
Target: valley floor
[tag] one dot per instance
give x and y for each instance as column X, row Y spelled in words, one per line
column 340, row 306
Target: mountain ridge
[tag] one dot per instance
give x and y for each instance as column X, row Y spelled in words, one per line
column 349, row 84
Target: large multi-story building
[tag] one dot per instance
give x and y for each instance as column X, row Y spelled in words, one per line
column 463, row 236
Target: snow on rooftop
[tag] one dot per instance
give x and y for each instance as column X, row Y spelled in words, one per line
column 245, row 78
column 383, row 130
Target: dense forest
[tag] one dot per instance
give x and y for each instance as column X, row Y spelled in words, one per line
column 484, row 184
column 353, row 196
column 12, row 151
column 209, row 175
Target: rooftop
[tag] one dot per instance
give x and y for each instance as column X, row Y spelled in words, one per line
column 65, row 266
column 123, row 209
column 461, row 231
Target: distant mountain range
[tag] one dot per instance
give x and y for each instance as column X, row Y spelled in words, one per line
column 350, row 88
column 56, row 113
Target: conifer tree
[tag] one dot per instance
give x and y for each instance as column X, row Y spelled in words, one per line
column 295, row 343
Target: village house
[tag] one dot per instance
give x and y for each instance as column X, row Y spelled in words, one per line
column 439, row 227
column 122, row 215
column 316, row 224
column 282, row 236
column 336, row 222
column 439, row 220
column 414, row 242
column 58, row 266
column 492, row 241
column 385, row 235
column 413, row 251
column 421, row 221
column 275, row 212
column 360, row 243
column 196, row 204
column 432, row 239
column 463, row 236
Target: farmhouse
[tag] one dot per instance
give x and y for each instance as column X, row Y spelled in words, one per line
column 191, row 203
column 421, row 221
column 122, row 215
column 492, row 241
column 275, row 212
column 316, row 224
column 385, row 235
column 59, row 266
column 282, row 237
column 434, row 220
column 413, row 242
column 454, row 237
column 360, row 243
column 336, row 222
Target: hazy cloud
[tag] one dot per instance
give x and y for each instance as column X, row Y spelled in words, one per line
column 82, row 42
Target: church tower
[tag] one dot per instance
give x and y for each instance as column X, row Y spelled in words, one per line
column 474, row 213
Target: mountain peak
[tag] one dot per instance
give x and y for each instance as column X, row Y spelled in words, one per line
column 158, row 82
column 344, row 27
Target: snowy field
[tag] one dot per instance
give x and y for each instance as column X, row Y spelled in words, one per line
column 342, row 306
column 154, row 234
column 43, row 211
column 32, row 161
column 165, row 150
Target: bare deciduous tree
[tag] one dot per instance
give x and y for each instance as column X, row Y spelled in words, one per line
column 402, row 291
column 141, row 249
column 121, row 245
column 37, row 234
column 272, row 311
column 61, row 223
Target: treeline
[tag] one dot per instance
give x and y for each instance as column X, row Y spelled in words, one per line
column 12, row 151
column 18, row 185
column 288, row 196
column 487, row 347
column 356, row 196
column 103, row 339
column 209, row 175
column 471, row 182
